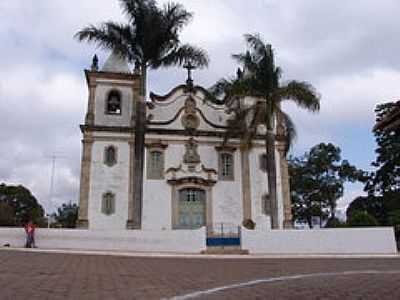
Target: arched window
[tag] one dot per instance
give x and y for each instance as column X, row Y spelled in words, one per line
column 108, row 204
column 110, row 156
column 155, row 167
column 113, row 103
column 226, row 167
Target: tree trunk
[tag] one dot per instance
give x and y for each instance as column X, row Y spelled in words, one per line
column 271, row 169
column 246, row 189
column 140, row 129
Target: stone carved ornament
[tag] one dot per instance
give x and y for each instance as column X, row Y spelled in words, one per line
column 191, row 155
column 190, row 120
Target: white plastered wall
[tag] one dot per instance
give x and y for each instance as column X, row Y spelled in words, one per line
column 259, row 188
column 177, row 241
column 373, row 240
column 113, row 179
column 279, row 193
column 226, row 195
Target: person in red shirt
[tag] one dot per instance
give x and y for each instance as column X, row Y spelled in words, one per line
column 30, row 235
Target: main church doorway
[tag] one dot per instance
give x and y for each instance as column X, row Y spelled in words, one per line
column 191, row 208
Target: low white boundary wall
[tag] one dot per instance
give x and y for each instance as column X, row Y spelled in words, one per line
column 376, row 240
column 178, row 241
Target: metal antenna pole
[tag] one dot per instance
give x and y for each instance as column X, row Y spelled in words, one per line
column 53, row 158
column 53, row 167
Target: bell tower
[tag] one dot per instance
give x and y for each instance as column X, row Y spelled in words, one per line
column 106, row 193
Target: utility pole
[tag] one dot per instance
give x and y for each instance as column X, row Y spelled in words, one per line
column 53, row 158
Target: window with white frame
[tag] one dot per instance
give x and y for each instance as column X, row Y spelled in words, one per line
column 155, row 164
column 226, row 166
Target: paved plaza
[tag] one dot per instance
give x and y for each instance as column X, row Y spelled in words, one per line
column 33, row 275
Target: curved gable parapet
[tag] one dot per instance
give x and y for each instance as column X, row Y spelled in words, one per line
column 162, row 98
column 187, row 108
column 207, row 96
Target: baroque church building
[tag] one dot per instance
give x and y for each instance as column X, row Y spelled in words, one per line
column 193, row 176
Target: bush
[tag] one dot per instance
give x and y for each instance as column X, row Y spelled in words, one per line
column 394, row 217
column 249, row 224
column 362, row 219
column 334, row 223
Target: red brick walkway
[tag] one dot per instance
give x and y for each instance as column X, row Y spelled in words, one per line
column 66, row 276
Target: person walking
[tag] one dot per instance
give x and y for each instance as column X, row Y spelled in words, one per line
column 30, row 235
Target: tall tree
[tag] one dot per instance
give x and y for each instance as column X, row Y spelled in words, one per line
column 67, row 215
column 385, row 179
column 150, row 39
column 259, row 78
column 317, row 180
column 20, row 200
column 383, row 184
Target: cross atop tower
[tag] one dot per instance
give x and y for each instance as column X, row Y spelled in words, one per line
column 189, row 67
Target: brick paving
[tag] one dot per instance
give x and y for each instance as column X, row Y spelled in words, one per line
column 32, row 275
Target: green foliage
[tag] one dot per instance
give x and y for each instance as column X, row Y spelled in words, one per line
column 382, row 185
column 7, row 215
column 23, row 204
column 362, row 219
column 260, row 79
column 67, row 215
column 386, row 178
column 316, row 182
column 374, row 206
column 394, row 217
column 334, row 222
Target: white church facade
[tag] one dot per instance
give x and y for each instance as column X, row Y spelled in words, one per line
column 191, row 178
column 199, row 189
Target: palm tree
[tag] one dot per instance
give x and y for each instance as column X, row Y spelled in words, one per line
column 259, row 79
column 150, row 39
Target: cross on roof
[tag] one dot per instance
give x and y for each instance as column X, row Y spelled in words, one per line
column 189, row 67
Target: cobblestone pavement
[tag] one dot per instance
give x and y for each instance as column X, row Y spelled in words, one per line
column 32, row 275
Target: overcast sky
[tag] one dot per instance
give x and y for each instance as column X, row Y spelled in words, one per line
column 347, row 49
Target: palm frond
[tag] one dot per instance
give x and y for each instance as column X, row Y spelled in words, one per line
column 256, row 44
column 175, row 17
column 181, row 55
column 302, row 93
column 138, row 10
column 112, row 36
column 290, row 129
column 247, row 61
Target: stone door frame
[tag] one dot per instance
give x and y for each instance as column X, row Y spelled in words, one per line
column 176, row 189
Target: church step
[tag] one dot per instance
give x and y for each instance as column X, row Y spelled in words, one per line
column 225, row 250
